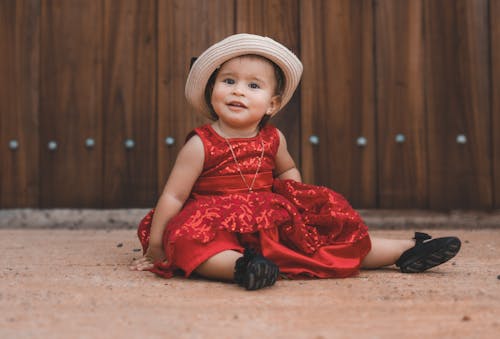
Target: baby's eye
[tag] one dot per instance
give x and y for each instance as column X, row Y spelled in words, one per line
column 253, row 85
column 228, row 81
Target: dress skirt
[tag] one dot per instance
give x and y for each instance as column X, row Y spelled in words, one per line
column 308, row 231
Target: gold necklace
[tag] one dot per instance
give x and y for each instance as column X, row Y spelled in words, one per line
column 250, row 187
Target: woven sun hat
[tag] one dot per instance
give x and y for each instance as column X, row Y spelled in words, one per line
column 234, row 46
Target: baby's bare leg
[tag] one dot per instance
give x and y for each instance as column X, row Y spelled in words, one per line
column 219, row 266
column 385, row 252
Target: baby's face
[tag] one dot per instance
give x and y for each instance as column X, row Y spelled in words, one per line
column 244, row 91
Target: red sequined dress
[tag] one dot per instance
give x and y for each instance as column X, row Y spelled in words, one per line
column 308, row 231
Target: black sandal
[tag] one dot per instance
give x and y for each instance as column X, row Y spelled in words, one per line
column 253, row 271
column 425, row 255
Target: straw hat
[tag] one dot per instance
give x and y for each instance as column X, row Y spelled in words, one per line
column 234, row 46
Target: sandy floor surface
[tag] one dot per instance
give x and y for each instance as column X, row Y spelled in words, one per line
column 76, row 284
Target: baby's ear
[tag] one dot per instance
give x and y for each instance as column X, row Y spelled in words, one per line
column 275, row 105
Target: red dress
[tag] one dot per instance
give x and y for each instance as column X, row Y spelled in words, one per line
column 308, row 231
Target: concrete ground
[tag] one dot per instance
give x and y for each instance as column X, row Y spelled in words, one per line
column 63, row 283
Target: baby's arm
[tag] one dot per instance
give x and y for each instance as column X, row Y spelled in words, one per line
column 285, row 166
column 187, row 168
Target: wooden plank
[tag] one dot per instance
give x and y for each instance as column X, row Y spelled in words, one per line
column 19, row 92
column 458, row 103
column 402, row 166
column 71, row 103
column 337, row 97
column 495, row 98
column 129, row 90
column 278, row 19
column 185, row 29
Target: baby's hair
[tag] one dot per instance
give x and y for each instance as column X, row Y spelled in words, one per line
column 280, row 85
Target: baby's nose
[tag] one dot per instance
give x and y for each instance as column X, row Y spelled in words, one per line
column 239, row 89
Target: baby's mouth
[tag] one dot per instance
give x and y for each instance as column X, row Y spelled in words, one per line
column 237, row 104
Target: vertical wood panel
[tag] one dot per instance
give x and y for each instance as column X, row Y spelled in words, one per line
column 19, row 92
column 495, row 109
column 458, row 101
column 338, row 97
column 278, row 19
column 185, row 29
column 400, row 104
column 129, row 90
column 71, row 103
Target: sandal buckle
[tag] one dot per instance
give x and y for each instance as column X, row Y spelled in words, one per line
column 421, row 237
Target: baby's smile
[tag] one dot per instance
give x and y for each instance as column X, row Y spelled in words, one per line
column 237, row 104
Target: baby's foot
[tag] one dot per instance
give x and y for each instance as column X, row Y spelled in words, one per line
column 253, row 271
column 425, row 255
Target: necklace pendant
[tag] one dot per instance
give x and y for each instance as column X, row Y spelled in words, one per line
column 250, row 187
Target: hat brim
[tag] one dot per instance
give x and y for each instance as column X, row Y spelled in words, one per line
column 234, row 46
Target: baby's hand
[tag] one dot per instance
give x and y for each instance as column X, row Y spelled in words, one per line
column 152, row 255
column 141, row 264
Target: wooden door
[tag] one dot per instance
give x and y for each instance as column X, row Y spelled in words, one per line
column 397, row 108
column 71, row 103
column 19, row 103
column 337, row 95
column 400, row 104
column 457, row 77
column 129, row 98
